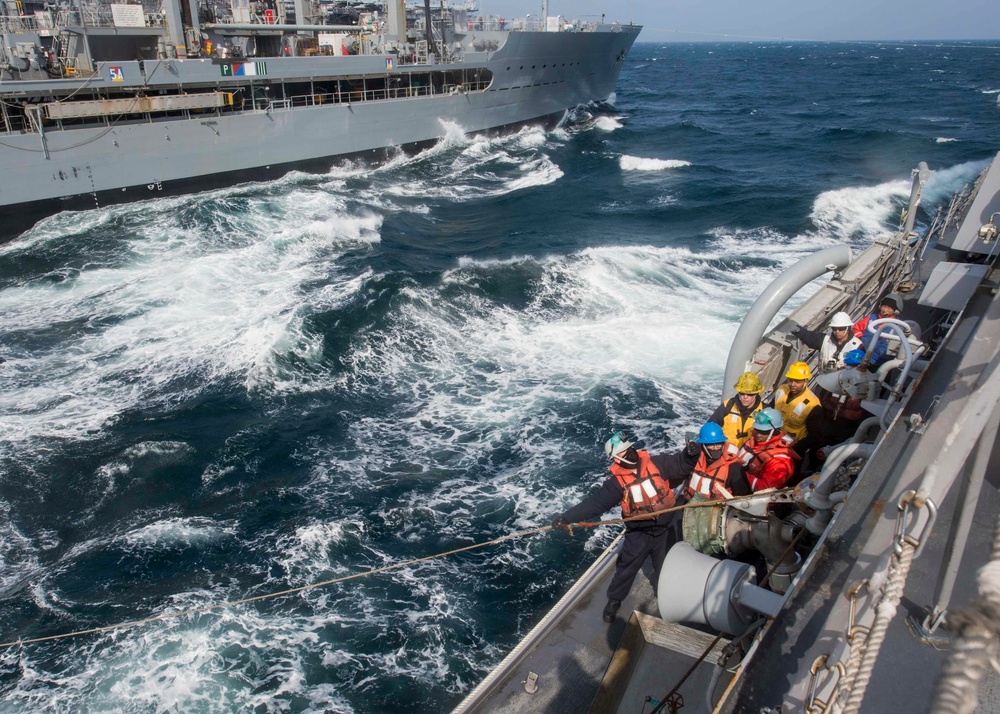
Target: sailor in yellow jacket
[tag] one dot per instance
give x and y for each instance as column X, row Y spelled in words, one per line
column 795, row 400
column 736, row 415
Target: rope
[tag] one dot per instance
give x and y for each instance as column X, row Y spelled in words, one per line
column 312, row 586
column 899, row 567
column 290, row 591
column 976, row 642
column 857, row 644
column 655, row 514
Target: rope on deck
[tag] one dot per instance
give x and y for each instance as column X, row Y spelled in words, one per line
column 324, row 583
column 976, row 642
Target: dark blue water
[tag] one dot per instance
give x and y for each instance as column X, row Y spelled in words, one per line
column 250, row 390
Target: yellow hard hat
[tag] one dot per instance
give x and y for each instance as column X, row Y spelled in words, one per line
column 749, row 383
column 799, row 370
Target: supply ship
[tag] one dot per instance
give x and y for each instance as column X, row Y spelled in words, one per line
column 871, row 584
column 104, row 102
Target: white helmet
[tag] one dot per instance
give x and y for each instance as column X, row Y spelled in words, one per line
column 841, row 319
column 617, row 445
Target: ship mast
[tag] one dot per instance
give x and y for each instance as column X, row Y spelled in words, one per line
column 396, row 20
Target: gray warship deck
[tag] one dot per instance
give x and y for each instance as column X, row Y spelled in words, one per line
column 643, row 660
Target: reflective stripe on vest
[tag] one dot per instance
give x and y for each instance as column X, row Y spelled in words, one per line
column 734, row 426
column 706, row 479
column 795, row 410
column 643, row 490
column 755, row 461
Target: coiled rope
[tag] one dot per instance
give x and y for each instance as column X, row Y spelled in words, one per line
column 324, row 583
column 976, row 633
column 899, row 567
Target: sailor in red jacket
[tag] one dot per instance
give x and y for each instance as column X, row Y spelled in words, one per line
column 767, row 455
column 641, row 484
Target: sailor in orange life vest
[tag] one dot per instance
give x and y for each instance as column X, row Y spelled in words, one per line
column 767, row 456
column 735, row 415
column 640, row 483
column 719, row 471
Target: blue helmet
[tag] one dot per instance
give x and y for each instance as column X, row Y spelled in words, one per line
column 854, row 357
column 711, row 433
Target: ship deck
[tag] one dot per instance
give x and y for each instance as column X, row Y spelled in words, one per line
column 582, row 664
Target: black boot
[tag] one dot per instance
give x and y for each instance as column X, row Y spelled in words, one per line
column 611, row 609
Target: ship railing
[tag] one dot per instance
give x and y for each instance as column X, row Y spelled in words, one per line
column 18, row 23
column 48, row 20
column 370, row 95
column 14, row 121
column 489, row 24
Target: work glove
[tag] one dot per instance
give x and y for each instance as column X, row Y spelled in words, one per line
column 693, row 448
column 794, row 330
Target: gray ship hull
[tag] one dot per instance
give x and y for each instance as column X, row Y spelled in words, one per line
column 535, row 76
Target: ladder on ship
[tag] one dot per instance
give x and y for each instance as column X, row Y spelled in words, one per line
column 67, row 63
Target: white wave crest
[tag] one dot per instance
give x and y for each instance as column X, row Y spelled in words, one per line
column 187, row 310
column 859, row 213
column 606, row 123
column 179, row 532
column 635, row 163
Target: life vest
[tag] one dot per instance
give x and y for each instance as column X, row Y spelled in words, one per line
column 841, row 406
column 735, row 426
column 710, row 479
column 643, row 489
column 754, row 457
column 831, row 357
column 795, row 410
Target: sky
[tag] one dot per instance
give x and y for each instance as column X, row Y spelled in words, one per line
column 732, row 20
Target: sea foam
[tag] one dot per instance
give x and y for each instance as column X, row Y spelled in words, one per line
column 635, row 163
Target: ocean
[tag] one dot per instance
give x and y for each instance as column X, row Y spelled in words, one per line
column 250, row 390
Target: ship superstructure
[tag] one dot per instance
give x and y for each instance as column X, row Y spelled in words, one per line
column 108, row 102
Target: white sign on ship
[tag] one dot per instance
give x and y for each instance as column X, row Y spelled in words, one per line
column 128, row 16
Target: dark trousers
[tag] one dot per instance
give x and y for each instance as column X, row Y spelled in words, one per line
column 636, row 547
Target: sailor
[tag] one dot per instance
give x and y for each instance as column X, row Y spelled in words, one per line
column 735, row 415
column 641, row 484
column 795, row 400
column 834, row 345
column 719, row 471
column 889, row 307
column 836, row 420
column 767, row 456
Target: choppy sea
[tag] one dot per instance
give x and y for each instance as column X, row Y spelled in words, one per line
column 244, row 391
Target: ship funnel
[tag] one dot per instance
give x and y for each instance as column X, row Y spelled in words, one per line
column 723, row 594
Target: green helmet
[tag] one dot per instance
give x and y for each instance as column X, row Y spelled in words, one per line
column 768, row 419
